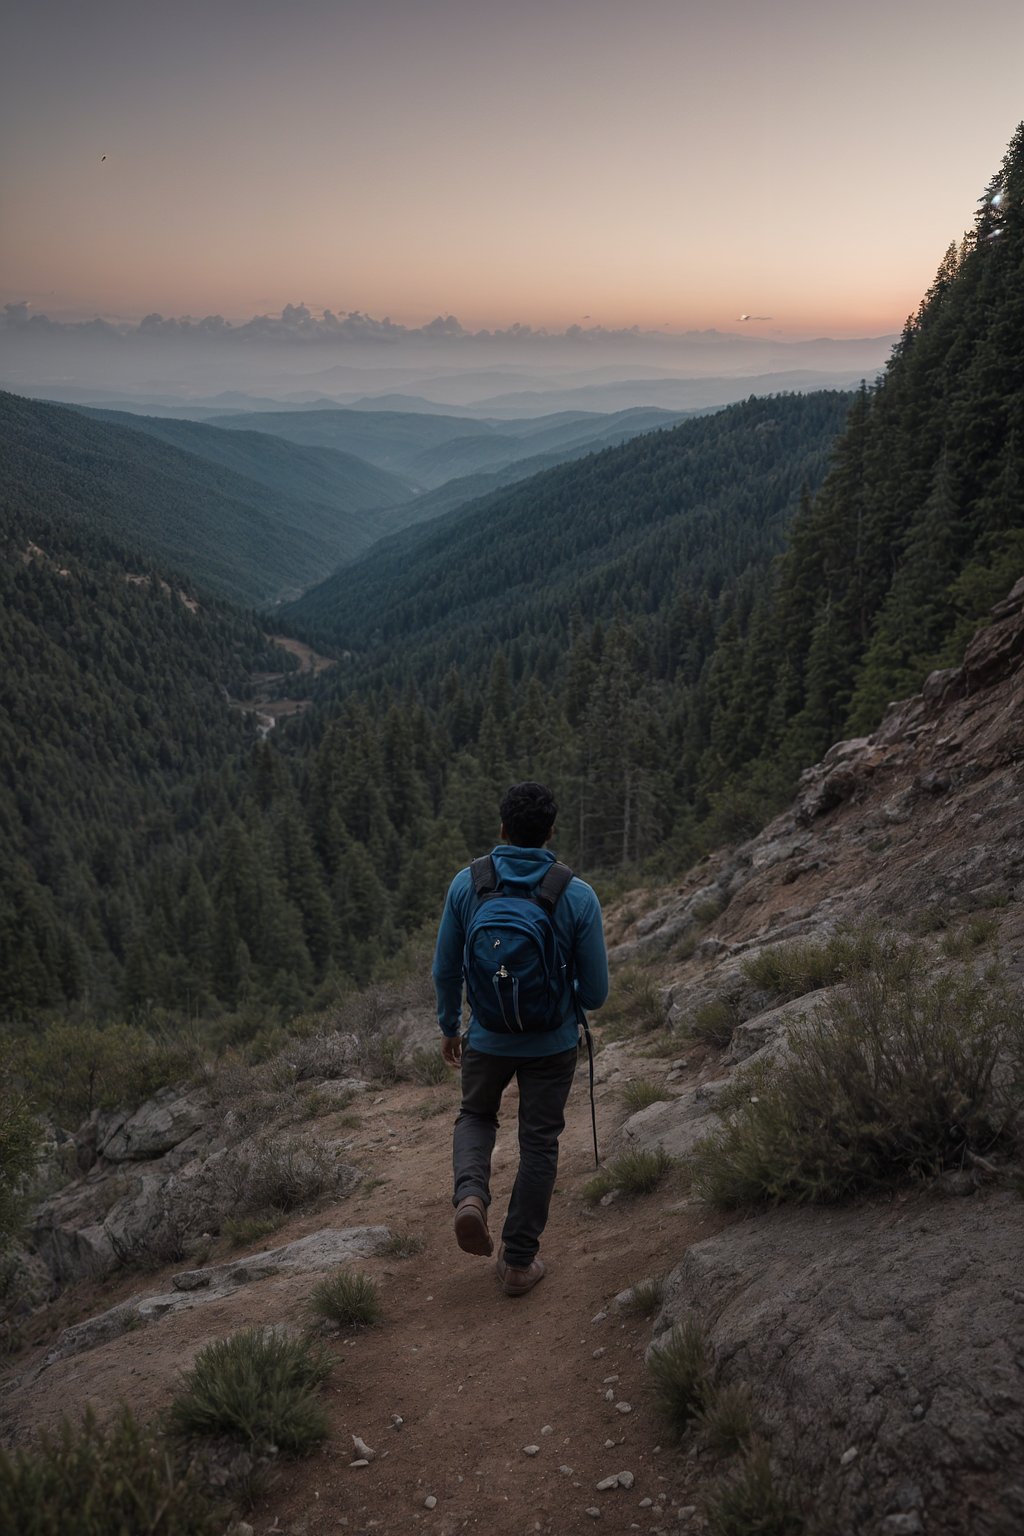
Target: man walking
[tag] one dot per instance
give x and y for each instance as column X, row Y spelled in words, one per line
column 522, row 907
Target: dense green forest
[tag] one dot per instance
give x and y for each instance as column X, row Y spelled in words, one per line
column 251, row 527
column 667, row 630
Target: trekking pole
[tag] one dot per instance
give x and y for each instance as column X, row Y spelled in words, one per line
column 590, row 1058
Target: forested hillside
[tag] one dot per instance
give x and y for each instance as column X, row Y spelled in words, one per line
column 114, row 733
column 324, row 475
column 238, row 534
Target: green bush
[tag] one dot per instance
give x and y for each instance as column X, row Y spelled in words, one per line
column 714, row 1022
column 93, row 1481
column 72, row 1069
column 680, row 1371
column 751, row 1503
column 641, row 1093
column 428, row 1067
column 634, row 1004
column 350, row 1300
column 894, row 1079
column 792, row 970
column 258, row 1387
column 277, row 1174
column 976, row 932
column 20, row 1141
column 633, row 1173
column 240, row 1231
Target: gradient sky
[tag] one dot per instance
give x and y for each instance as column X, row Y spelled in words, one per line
column 676, row 162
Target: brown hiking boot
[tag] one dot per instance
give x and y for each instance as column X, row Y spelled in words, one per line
column 471, row 1232
column 516, row 1282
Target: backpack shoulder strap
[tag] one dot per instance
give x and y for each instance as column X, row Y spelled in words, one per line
column 484, row 875
column 553, row 884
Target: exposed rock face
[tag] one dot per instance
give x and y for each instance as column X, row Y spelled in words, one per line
column 161, row 1124
column 895, row 1332
column 319, row 1251
column 159, row 1178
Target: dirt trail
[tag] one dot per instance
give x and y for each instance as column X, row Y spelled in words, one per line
column 475, row 1375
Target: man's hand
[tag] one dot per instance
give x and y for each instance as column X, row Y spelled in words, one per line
column 451, row 1049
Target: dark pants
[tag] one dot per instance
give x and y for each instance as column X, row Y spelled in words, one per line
column 544, row 1083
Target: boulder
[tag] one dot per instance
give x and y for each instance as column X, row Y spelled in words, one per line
column 159, row 1125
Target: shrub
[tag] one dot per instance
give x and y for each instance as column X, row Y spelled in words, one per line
column 20, row 1141
column 632, row 1173
column 714, row 1022
column 428, row 1067
column 258, row 1387
column 751, row 1503
column 680, row 1371
column 975, row 933
column 895, row 1079
column 641, row 1093
column 382, row 1055
column 792, row 970
column 634, row 1005
column 91, row 1481
column 73, row 1069
column 277, row 1174
column 240, row 1231
column 727, row 1419
column 350, row 1300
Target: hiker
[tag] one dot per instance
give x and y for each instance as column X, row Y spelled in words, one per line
column 521, row 905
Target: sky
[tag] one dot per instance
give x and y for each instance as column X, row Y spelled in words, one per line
column 670, row 164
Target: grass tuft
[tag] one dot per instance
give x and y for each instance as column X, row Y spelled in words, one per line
column 641, row 1094
column 895, row 1079
column 680, row 1371
column 714, row 1022
column 726, row 1421
column 350, row 1300
column 646, row 1296
column 428, row 1067
column 751, row 1503
column 93, row 1481
column 632, row 1173
column 401, row 1245
column 257, row 1387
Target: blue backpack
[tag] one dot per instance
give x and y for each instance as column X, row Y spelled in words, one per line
column 516, row 974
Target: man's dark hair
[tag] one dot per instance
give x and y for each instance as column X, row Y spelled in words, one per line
column 528, row 813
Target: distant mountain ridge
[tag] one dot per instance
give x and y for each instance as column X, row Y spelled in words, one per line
column 432, row 449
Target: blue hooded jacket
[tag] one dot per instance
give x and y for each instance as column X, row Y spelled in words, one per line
column 577, row 923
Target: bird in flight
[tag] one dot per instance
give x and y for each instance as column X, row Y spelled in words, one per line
column 753, row 317
column 102, row 158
